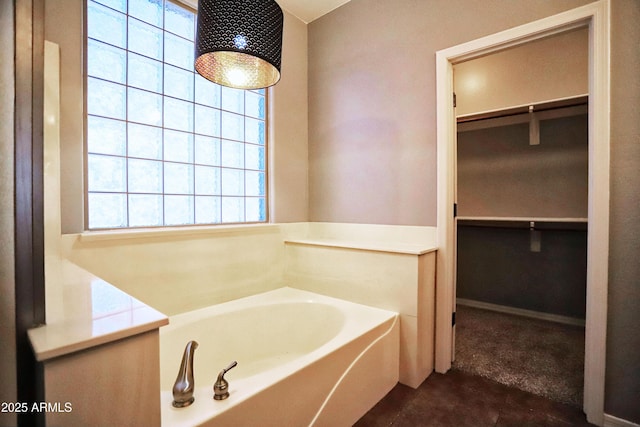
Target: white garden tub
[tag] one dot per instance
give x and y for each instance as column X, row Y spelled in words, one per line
column 303, row 359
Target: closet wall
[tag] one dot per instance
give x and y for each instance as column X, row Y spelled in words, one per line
column 500, row 174
column 551, row 68
column 522, row 200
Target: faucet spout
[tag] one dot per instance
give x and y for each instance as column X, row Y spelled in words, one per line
column 184, row 385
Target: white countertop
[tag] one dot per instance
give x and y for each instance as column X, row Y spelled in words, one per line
column 84, row 311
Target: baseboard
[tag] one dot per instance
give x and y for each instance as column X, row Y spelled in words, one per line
column 521, row 312
column 611, row 421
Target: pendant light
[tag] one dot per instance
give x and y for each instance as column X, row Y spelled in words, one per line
column 239, row 42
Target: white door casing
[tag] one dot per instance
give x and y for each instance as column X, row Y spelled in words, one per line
column 596, row 17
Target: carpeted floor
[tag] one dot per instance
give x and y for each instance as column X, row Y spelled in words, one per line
column 458, row 399
column 544, row 358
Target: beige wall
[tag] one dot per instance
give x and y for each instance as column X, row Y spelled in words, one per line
column 623, row 340
column 551, row 68
column 372, row 129
column 372, row 133
column 288, row 105
column 70, row 38
column 7, row 253
column 289, row 187
column 372, row 145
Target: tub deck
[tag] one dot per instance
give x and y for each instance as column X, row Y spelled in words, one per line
column 299, row 355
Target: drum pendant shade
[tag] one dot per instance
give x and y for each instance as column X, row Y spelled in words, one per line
column 239, row 42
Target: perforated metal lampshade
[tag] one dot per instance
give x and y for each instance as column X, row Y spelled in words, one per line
column 239, row 42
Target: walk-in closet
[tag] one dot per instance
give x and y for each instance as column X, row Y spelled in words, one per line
column 521, row 213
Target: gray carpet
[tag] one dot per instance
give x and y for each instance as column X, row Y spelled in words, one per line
column 544, row 358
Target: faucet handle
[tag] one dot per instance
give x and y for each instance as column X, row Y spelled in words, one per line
column 231, row 365
column 221, row 386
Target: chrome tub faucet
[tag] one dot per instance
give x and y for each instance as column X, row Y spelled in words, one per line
column 184, row 385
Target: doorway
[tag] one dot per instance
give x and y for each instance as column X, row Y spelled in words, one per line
column 595, row 17
column 521, row 242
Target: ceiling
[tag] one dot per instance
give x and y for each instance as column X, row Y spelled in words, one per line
column 309, row 10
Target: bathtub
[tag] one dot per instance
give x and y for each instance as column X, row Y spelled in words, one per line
column 303, row 360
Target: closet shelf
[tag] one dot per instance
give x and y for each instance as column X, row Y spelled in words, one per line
column 521, row 218
column 525, row 108
column 556, row 223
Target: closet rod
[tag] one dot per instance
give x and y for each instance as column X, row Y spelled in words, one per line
column 522, row 109
column 530, row 118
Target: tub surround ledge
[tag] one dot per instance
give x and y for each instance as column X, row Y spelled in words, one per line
column 388, row 267
column 84, row 311
column 391, row 247
column 92, row 328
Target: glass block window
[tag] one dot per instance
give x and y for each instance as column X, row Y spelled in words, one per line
column 165, row 146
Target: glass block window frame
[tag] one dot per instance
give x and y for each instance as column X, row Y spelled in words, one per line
column 164, row 146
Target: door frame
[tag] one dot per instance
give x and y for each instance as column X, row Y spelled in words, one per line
column 596, row 17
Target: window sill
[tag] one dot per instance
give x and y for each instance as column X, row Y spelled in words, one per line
column 164, row 232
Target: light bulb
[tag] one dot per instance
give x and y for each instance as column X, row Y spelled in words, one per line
column 237, row 76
